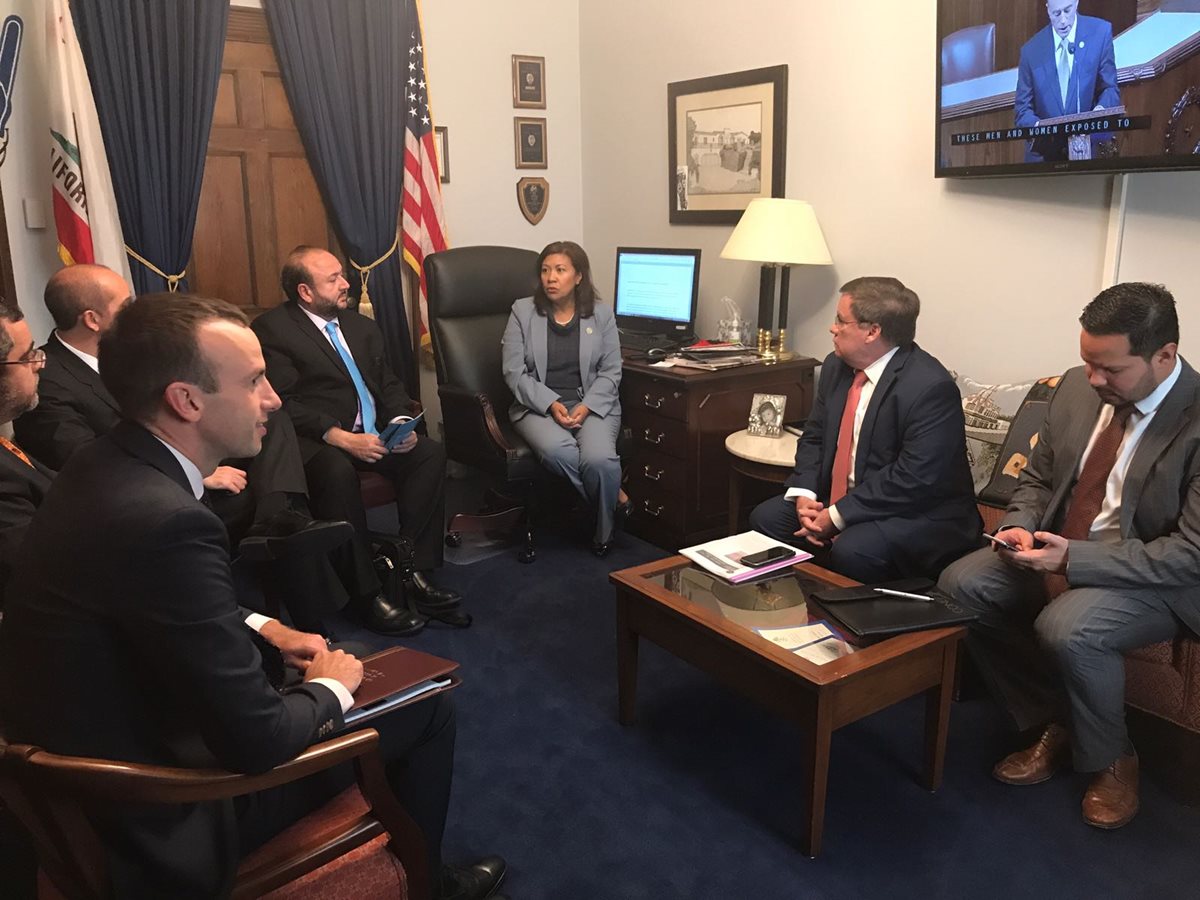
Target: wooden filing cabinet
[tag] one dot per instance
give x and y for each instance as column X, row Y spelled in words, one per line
column 678, row 470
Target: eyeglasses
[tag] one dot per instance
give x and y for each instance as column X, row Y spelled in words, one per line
column 839, row 323
column 35, row 358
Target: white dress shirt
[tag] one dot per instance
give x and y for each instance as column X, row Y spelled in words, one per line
column 91, row 361
column 254, row 620
column 1107, row 524
column 873, row 372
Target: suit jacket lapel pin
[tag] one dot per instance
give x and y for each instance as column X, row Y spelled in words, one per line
column 589, row 329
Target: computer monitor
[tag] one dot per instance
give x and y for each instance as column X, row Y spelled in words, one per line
column 656, row 291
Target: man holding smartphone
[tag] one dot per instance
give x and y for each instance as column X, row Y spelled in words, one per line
column 881, row 488
column 1105, row 529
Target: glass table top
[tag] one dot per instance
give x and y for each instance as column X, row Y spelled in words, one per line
column 774, row 609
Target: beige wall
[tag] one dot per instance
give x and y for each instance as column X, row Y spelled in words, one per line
column 470, row 45
column 1002, row 265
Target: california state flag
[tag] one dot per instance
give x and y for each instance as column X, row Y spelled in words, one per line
column 85, row 211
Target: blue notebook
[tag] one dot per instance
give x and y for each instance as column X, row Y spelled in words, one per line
column 396, row 432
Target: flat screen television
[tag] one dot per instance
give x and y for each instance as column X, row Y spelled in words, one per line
column 656, row 291
column 1031, row 87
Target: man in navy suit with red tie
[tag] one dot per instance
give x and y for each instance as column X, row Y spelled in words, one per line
column 881, row 487
column 1067, row 67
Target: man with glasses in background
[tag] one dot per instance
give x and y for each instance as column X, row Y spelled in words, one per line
column 23, row 480
column 881, row 488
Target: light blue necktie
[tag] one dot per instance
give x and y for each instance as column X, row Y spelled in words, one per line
column 366, row 403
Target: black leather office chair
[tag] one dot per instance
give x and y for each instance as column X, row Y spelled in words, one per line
column 471, row 291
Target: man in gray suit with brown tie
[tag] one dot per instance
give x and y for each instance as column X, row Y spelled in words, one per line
column 1105, row 531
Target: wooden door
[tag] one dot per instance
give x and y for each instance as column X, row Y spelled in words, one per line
column 259, row 198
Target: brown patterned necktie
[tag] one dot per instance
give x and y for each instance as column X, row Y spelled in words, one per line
column 840, row 484
column 1088, row 494
column 15, row 450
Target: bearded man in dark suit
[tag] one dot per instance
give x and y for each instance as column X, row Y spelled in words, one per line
column 1104, row 548
column 23, row 479
column 327, row 362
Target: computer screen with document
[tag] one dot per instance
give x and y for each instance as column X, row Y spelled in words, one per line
column 657, row 290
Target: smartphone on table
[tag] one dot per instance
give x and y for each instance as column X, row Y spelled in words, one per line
column 766, row 557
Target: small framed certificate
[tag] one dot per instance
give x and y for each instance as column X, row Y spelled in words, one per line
column 529, row 82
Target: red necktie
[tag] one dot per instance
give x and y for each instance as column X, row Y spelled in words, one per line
column 15, row 450
column 841, row 457
column 1088, row 494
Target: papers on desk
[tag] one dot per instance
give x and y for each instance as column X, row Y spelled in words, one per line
column 722, row 557
column 715, row 364
column 814, row 642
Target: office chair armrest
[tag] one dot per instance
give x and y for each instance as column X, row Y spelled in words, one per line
column 459, row 404
column 141, row 783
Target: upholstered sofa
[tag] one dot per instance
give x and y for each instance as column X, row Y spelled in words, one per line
column 1162, row 680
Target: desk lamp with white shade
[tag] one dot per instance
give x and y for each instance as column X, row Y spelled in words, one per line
column 778, row 233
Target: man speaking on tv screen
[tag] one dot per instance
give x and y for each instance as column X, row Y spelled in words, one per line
column 1067, row 67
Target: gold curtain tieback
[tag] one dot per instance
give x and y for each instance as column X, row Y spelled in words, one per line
column 364, row 272
column 172, row 280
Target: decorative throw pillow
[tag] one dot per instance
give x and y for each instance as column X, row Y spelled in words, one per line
column 989, row 410
column 1019, row 443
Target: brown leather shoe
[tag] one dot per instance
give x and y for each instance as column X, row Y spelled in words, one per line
column 1112, row 797
column 1038, row 763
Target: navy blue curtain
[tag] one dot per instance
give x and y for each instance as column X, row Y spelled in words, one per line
column 154, row 66
column 344, row 66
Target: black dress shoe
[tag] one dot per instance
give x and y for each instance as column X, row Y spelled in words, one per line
column 289, row 533
column 474, row 882
column 382, row 617
column 430, row 596
column 623, row 511
column 601, row 548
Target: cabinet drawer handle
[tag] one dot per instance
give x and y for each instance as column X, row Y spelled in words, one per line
column 652, row 403
column 649, row 510
column 652, row 440
column 656, row 476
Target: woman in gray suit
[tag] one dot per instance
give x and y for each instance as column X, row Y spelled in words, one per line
column 562, row 362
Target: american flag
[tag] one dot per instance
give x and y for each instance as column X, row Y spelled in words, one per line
column 423, row 227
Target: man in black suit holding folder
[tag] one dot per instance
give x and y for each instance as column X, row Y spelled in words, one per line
column 131, row 645
column 327, row 363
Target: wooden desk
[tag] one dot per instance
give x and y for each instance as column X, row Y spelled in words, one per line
column 679, row 471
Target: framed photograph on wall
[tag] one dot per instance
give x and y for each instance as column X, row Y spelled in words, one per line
column 727, row 144
column 766, row 415
column 441, row 144
column 529, row 138
column 529, row 82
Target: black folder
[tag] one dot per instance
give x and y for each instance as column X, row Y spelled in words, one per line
column 867, row 615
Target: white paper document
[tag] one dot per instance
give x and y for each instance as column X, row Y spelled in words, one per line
column 796, row 636
column 722, row 557
column 824, row 651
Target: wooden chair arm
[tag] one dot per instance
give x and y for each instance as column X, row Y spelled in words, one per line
column 472, row 403
column 141, row 783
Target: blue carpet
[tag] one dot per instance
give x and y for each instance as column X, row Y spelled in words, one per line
column 698, row 799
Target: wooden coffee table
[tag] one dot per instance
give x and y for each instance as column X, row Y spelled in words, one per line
column 709, row 623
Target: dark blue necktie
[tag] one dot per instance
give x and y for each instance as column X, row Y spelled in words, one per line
column 366, row 403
